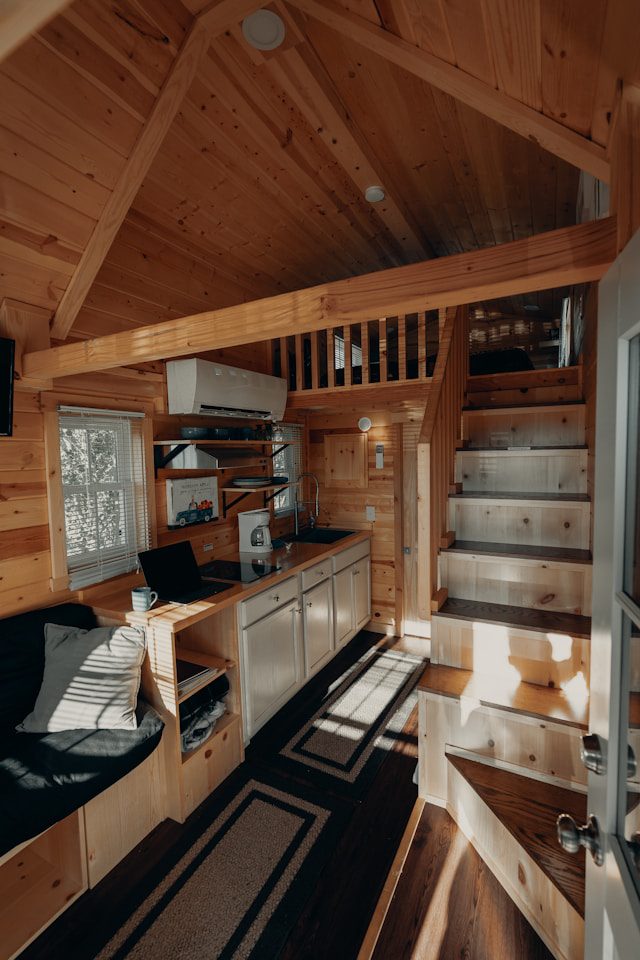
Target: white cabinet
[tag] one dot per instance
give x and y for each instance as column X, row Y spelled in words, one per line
column 272, row 664
column 343, row 606
column 361, row 572
column 317, row 609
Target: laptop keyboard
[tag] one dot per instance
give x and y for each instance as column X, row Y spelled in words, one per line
column 206, row 590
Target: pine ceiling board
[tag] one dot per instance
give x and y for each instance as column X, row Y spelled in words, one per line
column 25, row 281
column 467, row 29
column 543, row 176
column 133, row 283
column 24, row 113
column 619, row 58
column 128, row 307
column 421, row 22
column 318, row 168
column 92, row 323
column 26, row 207
column 246, row 159
column 571, row 40
column 513, row 34
column 91, row 60
column 519, row 190
column 566, row 194
column 36, row 239
column 65, row 91
column 170, row 17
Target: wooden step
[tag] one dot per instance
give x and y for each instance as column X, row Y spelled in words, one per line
column 546, row 648
column 520, row 618
column 538, row 519
column 516, row 408
column 551, row 578
column 529, row 809
column 548, row 425
column 539, row 470
column 527, row 699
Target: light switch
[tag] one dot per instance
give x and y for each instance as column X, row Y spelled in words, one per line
column 379, row 456
column 370, row 513
column 206, row 547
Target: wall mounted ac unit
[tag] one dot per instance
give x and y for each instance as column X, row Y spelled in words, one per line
column 216, row 390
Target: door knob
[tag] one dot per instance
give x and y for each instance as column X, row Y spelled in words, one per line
column 571, row 837
column 632, row 763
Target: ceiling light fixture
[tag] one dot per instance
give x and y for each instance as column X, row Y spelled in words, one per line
column 531, row 307
column 374, row 194
column 263, row 30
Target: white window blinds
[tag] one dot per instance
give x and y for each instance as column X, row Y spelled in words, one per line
column 287, row 462
column 105, row 493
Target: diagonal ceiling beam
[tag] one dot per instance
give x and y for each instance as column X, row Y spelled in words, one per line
column 211, row 22
column 20, row 18
column 571, row 255
column 552, row 136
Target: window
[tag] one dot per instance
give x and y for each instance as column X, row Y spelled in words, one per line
column 102, row 467
column 287, row 462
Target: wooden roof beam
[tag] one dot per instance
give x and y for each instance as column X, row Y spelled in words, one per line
column 212, row 21
column 517, row 116
column 571, row 255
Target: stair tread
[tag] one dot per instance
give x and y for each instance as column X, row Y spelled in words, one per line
column 525, row 406
column 524, row 449
column 519, row 551
column 508, row 495
column 503, row 614
column 534, row 700
column 528, row 809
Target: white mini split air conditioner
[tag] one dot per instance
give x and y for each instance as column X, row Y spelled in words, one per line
column 216, row 390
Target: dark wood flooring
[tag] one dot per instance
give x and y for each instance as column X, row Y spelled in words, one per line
column 520, row 551
column 503, row 614
column 449, row 906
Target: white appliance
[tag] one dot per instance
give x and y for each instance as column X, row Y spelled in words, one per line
column 216, row 390
column 255, row 536
column 193, row 458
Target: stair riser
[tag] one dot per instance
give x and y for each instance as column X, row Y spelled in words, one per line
column 551, row 915
column 515, row 398
column 522, row 583
column 560, row 427
column 512, row 472
column 534, row 747
column 496, row 650
column 531, row 523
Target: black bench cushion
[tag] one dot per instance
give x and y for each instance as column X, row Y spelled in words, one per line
column 45, row 777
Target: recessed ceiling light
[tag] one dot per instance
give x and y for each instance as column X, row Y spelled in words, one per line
column 263, row 29
column 374, row 194
column 531, row 307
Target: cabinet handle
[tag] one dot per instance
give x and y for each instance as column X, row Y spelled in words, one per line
column 320, row 573
column 309, row 603
column 297, row 610
column 355, row 572
column 275, row 598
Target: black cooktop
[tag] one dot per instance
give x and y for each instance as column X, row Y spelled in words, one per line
column 245, row 571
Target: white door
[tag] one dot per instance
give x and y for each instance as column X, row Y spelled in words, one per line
column 343, row 605
column 271, row 664
column 362, row 590
column 317, row 606
column 613, row 889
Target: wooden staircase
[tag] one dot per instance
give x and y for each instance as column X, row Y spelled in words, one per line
column 504, row 701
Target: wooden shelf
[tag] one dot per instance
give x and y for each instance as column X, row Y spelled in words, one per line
column 202, row 660
column 224, row 723
column 273, row 486
column 223, row 443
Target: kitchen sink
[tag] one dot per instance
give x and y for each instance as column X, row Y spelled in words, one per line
column 319, row 535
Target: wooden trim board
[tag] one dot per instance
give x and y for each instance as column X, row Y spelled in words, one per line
column 567, row 256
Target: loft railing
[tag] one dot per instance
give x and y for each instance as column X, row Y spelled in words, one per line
column 388, row 350
column 439, row 435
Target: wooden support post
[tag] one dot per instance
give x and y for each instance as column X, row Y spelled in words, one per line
column 29, row 327
column 383, row 349
column 625, row 166
column 331, row 359
column 402, row 348
column 348, row 366
column 398, row 538
column 422, row 345
column 364, row 346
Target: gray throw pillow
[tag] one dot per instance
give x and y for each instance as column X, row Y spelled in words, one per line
column 91, row 680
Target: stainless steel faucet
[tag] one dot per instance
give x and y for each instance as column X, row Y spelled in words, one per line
column 313, row 517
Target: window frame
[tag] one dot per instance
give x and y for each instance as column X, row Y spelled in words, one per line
column 289, row 492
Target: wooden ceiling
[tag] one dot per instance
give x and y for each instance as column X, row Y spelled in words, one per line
column 257, row 187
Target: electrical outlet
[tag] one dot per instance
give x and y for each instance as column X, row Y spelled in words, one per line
column 370, row 513
column 379, row 456
column 206, row 547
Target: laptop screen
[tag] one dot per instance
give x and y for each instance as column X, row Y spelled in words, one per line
column 171, row 570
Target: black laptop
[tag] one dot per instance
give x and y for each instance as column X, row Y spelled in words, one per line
column 173, row 573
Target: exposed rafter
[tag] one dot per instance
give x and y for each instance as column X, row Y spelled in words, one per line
column 211, row 22
column 554, row 137
column 20, row 18
column 572, row 255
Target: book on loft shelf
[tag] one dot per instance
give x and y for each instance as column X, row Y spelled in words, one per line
column 190, row 675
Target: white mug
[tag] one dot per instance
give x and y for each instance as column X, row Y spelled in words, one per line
column 143, row 598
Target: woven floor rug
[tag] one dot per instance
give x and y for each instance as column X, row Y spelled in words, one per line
column 238, row 888
column 342, row 745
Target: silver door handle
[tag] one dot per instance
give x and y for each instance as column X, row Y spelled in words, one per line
column 593, row 753
column 309, row 603
column 355, row 572
column 571, row 837
column 275, row 598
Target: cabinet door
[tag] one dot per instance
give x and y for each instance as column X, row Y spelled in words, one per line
column 271, row 664
column 343, row 605
column 317, row 605
column 362, row 590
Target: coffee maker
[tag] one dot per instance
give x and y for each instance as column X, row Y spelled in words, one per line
column 255, row 536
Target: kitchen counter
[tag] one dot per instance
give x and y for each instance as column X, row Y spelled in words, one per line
column 117, row 604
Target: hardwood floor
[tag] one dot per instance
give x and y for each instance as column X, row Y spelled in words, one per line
column 448, row 905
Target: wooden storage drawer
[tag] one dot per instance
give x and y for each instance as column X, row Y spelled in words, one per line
column 263, row 603
column 351, row 555
column 316, row 574
column 210, row 764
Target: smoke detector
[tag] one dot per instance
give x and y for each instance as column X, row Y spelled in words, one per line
column 263, row 30
column 374, row 194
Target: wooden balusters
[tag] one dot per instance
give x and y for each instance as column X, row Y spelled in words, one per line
column 382, row 325
column 331, row 360
column 364, row 346
column 284, row 360
column 402, row 349
column 299, row 363
column 348, row 367
column 315, row 369
column 422, row 345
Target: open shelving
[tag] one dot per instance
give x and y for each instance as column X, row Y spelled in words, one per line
column 272, row 489
column 226, row 721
